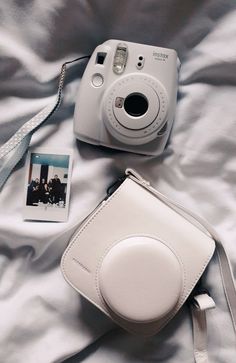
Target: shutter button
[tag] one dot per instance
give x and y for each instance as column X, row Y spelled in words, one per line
column 97, row 80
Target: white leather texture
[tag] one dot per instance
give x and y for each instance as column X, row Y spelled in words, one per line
column 130, row 212
column 140, row 279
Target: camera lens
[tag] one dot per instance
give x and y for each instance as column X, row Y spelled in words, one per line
column 136, row 104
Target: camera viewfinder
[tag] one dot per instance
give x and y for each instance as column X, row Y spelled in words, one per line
column 100, row 57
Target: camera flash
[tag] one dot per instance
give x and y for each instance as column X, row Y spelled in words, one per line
column 120, row 58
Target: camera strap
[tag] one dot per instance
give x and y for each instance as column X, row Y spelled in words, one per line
column 200, row 302
column 199, row 306
column 14, row 149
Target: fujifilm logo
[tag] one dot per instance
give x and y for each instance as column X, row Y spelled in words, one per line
column 160, row 56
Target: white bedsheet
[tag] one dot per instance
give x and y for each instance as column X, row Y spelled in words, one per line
column 42, row 319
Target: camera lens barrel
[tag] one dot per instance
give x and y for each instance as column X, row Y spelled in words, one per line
column 135, row 108
column 136, row 104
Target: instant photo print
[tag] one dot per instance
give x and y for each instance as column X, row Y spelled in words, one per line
column 47, row 188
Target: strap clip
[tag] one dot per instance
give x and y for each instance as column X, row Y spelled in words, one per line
column 203, row 301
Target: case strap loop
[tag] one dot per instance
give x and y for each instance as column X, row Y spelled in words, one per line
column 200, row 304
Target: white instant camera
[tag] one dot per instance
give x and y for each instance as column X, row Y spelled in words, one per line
column 127, row 97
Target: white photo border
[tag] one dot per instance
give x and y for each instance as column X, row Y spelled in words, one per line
column 43, row 213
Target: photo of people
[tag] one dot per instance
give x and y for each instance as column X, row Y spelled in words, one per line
column 47, row 182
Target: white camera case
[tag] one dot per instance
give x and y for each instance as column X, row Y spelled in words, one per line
column 136, row 258
column 127, row 97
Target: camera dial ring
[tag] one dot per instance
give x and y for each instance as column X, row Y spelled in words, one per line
column 135, row 129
